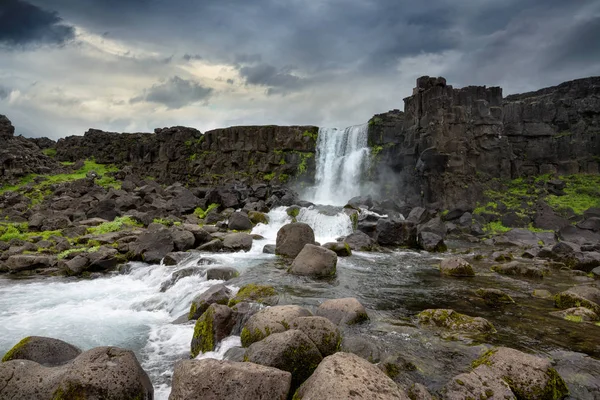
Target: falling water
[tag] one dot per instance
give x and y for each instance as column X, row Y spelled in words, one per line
column 342, row 156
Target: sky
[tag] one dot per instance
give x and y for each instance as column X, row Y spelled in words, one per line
column 134, row 65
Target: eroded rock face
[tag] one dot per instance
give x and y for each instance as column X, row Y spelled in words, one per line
column 211, row 379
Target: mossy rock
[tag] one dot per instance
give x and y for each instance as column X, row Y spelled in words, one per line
column 570, row 299
column 213, row 326
column 456, row 266
column 254, row 293
column 257, row 217
column 14, row 351
column 451, row 320
column 494, row 297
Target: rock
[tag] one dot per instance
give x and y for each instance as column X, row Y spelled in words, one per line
column 290, row 351
column 579, row 296
column 175, row 258
column 418, row 215
column 242, row 312
column 292, row 238
column 235, row 354
column 359, row 241
column 542, row 294
column 151, row 247
column 222, row 273
column 201, row 236
column 431, row 242
column 362, row 347
column 180, row 274
column 596, row 272
column 494, row 297
column 102, row 372
column 257, row 217
column 345, row 376
column 19, row 263
column 214, row 325
column 419, row 392
column 182, row 240
column 75, row 266
column 592, row 224
column 396, row 233
column 341, row 249
column 253, row 293
column 322, row 332
column 239, row 221
column 346, row 311
column 104, row 259
column 517, row 268
column 453, row 321
column 43, row 350
column 456, row 213
column 576, row 314
column 219, row 294
column 577, row 235
column 211, row 379
column 529, row 377
column 269, row 249
column 434, row 225
column 456, row 266
column 105, row 209
column 270, row 320
column 358, row 201
column 481, row 383
column 237, row 242
column 314, row 261
column 213, row 246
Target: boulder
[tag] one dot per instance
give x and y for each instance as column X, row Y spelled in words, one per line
column 151, row 247
column 292, row 238
column 211, row 379
column 342, row 249
column 214, row 325
column 270, row 320
column 579, row 296
column 269, row 249
column 180, row 274
column 43, row 350
column 201, row 236
column 434, row 225
column 253, row 293
column 363, row 347
column 389, row 232
column 494, row 297
column 419, row 391
column 257, row 217
column 26, row 262
column 99, row 373
column 103, row 259
column 576, row 314
column 322, row 332
column 591, row 224
column 237, row 242
column 343, row 376
column 453, row 321
column 75, row 266
column 290, row 351
column 431, row 242
column 456, row 266
column 517, row 268
column 347, row 311
column 219, row 294
column 481, row 383
column 418, row 215
column 182, row 239
column 359, row 241
column 222, row 273
column 577, row 235
column 314, row 261
column 213, row 246
column 239, row 221
column 175, row 258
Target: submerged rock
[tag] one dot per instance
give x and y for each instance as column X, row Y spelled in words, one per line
column 579, row 296
column 211, row 379
column 342, row 249
column 222, row 273
column 454, row 321
column 456, row 266
column 494, row 297
column 517, row 268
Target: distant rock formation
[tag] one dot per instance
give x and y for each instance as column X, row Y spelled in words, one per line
column 448, row 141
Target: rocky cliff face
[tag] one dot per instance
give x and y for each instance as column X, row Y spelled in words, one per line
column 449, row 143
column 248, row 154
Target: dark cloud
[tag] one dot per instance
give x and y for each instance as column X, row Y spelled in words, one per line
column 580, row 46
column 4, row 92
column 22, row 23
column 277, row 80
column 188, row 57
column 230, row 81
column 175, row 93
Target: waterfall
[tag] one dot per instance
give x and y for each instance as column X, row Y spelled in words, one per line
column 342, row 156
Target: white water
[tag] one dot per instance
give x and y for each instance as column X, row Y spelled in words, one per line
column 342, row 156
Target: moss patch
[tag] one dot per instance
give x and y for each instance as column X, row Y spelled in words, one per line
column 253, row 293
column 116, row 225
column 12, row 353
column 200, row 213
column 203, row 339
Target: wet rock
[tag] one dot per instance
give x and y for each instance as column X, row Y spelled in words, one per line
column 269, row 249
column 102, row 372
column 222, row 273
column 453, row 321
column 239, row 221
column 481, row 383
column 257, row 217
column 242, row 312
column 175, row 258
column 579, row 296
column 362, row 347
column 502, row 256
column 456, row 266
column 253, row 293
column 314, row 261
column 290, row 351
column 359, row 241
column 494, row 297
column 237, row 242
column 517, row 268
column 180, row 274
column 531, row 253
column 235, row 354
column 434, row 225
column 324, row 334
column 347, row 311
column 270, row 320
column 576, row 314
column 432, row 242
column 336, row 379
column 214, row 325
column 542, row 294
column 43, row 350
column 211, row 379
column 213, row 246
column 26, row 262
column 396, row 233
column 219, row 294
column 292, row 238
column 151, row 247
column 342, row 249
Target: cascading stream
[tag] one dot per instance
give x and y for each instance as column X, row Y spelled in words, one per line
column 342, row 157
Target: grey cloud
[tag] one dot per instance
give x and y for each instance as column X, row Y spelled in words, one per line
column 580, row 46
column 277, row 81
column 230, row 81
column 175, row 93
column 22, row 23
column 188, row 57
column 4, row 92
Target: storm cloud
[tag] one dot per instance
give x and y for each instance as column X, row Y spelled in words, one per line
column 175, row 93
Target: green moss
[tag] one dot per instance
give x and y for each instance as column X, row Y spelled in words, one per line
column 66, row 253
column 253, row 293
column 51, row 152
column 304, row 157
column 200, row 213
column 248, row 337
column 354, row 219
column 581, row 192
column 314, row 135
column 269, row 177
column 293, row 212
column 495, row 228
column 484, row 359
column 574, row 318
column 375, row 121
column 193, row 309
column 203, row 339
column 13, row 352
column 284, row 178
column 118, row 224
column 375, row 150
column 568, row 300
column 391, row 370
column 71, row 392
column 163, row 221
